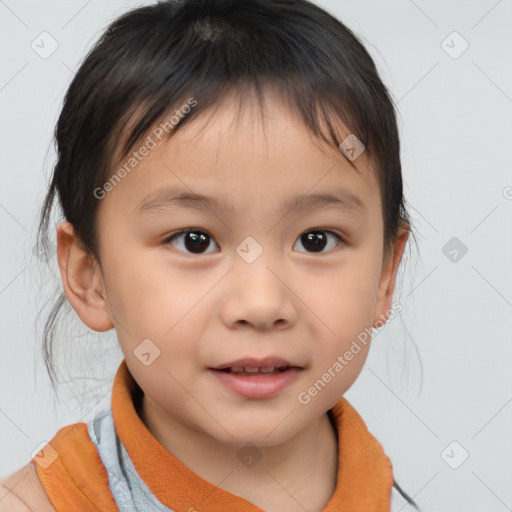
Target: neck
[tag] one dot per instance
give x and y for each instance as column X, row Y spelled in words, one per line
column 298, row 474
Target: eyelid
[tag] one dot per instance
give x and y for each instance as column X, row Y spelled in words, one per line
column 340, row 238
column 170, row 237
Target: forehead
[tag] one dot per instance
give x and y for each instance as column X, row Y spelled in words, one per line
column 235, row 152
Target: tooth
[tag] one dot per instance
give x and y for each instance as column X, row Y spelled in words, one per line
column 237, row 369
column 269, row 369
column 251, row 370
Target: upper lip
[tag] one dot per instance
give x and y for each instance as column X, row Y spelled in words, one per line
column 252, row 362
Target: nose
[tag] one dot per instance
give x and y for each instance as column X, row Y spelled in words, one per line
column 258, row 294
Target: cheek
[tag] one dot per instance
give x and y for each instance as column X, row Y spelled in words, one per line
column 346, row 307
column 346, row 298
column 163, row 305
column 148, row 294
column 341, row 358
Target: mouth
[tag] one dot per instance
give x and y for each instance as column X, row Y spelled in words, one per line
column 252, row 365
column 254, row 371
column 256, row 382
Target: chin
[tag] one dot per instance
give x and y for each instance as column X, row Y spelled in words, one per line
column 264, row 435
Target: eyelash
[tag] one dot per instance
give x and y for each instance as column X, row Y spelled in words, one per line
column 172, row 237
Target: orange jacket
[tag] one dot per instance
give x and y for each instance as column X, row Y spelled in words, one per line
column 75, row 478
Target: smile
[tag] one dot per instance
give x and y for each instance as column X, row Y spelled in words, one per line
column 256, row 383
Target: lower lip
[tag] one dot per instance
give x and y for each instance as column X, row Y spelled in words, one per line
column 259, row 385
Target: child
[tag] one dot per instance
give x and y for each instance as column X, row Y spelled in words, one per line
column 260, row 131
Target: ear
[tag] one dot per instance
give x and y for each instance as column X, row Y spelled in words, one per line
column 388, row 277
column 82, row 280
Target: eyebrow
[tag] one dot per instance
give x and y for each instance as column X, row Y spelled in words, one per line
column 178, row 197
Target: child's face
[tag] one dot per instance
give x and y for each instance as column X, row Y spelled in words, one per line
column 207, row 302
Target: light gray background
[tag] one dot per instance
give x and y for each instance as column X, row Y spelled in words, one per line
column 437, row 375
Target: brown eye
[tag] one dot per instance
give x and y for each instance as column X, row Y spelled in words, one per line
column 317, row 240
column 194, row 241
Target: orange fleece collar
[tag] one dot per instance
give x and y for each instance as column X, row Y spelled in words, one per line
column 75, row 479
column 365, row 474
